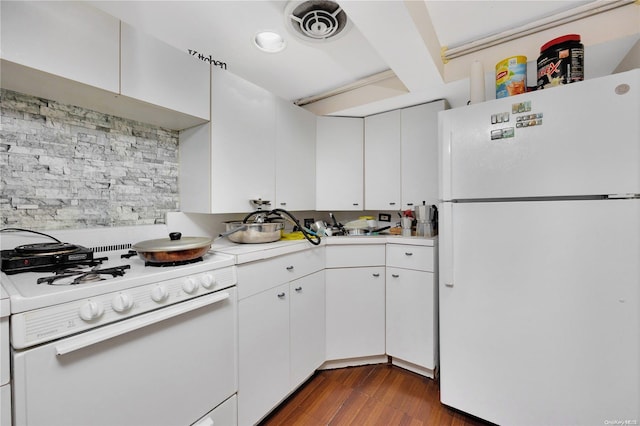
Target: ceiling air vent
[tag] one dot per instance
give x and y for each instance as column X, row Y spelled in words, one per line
column 316, row 20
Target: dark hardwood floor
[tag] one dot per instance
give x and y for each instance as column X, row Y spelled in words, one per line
column 369, row 395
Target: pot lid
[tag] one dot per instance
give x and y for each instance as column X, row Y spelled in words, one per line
column 175, row 242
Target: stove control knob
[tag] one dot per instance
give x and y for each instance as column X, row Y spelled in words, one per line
column 122, row 303
column 208, row 281
column 190, row 285
column 91, row 310
column 159, row 293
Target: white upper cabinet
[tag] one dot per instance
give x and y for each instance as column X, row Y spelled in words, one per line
column 231, row 160
column 339, row 163
column 382, row 161
column 67, row 39
column 243, row 132
column 419, row 147
column 70, row 52
column 295, row 160
column 155, row 72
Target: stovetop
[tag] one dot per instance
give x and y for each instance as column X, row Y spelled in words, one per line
column 26, row 294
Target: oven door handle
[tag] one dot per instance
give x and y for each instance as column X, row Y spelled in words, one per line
column 136, row 323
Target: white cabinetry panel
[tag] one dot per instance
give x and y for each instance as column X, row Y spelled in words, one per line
column 355, row 312
column 155, row 72
column 70, row 52
column 231, row 160
column 295, row 160
column 243, row 143
column 339, row 163
column 349, row 256
column 68, row 39
column 307, row 327
column 225, row 414
column 382, row 161
column 261, row 275
column 281, row 329
column 411, row 307
column 410, row 316
column 419, row 147
column 263, row 345
column 420, row 258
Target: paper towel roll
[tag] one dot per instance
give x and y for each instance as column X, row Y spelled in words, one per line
column 476, row 83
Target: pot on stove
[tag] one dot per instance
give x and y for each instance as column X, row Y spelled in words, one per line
column 176, row 248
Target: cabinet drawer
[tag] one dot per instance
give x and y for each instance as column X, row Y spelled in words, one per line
column 265, row 274
column 419, row 258
column 224, row 414
column 347, row 256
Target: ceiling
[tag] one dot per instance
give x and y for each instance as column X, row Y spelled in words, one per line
column 382, row 36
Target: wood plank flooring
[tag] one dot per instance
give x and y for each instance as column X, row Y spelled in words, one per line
column 369, row 395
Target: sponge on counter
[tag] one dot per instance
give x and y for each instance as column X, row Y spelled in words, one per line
column 297, row 235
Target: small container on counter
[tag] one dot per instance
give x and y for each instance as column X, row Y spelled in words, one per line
column 561, row 62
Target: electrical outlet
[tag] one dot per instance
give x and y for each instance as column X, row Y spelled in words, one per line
column 383, row 217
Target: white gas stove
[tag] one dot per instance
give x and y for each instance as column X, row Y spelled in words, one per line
column 46, row 307
column 90, row 351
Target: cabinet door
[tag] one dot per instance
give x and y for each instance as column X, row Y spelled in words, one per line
column 155, row 72
column 339, row 163
column 419, row 146
column 295, row 157
column 382, row 161
column 5, row 405
column 307, row 326
column 263, row 346
column 410, row 316
column 243, row 143
column 68, row 39
column 355, row 312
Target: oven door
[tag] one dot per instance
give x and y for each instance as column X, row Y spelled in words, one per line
column 168, row 367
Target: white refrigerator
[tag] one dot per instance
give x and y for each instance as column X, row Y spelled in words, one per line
column 540, row 256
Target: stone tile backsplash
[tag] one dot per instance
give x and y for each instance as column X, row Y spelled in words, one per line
column 63, row 166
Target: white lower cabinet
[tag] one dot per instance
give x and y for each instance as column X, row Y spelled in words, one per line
column 307, row 326
column 281, row 332
column 411, row 326
column 355, row 301
column 225, row 414
column 263, row 350
column 334, row 306
column 5, row 405
column 355, row 312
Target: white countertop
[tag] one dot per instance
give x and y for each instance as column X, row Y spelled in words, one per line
column 251, row 252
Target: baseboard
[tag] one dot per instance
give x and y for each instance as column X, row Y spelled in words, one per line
column 352, row 362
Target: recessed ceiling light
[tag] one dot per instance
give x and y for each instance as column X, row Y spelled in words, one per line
column 268, row 41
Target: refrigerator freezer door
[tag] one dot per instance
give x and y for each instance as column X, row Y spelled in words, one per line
column 587, row 142
column 539, row 311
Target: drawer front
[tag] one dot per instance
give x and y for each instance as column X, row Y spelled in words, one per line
column 419, row 258
column 262, row 275
column 223, row 414
column 348, row 256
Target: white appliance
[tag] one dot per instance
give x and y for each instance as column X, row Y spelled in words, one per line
column 5, row 354
column 540, row 256
column 155, row 346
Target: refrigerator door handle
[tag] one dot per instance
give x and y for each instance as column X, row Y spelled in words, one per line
column 446, row 245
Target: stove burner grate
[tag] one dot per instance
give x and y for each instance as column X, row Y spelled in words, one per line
column 78, row 276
